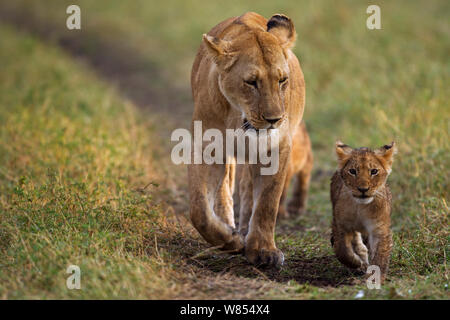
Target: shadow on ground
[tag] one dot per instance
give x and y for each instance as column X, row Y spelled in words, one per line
column 318, row 271
column 196, row 256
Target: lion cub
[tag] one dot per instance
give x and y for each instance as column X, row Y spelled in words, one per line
column 361, row 200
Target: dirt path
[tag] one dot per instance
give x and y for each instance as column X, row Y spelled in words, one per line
column 116, row 61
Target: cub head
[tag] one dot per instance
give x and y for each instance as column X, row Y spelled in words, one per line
column 252, row 63
column 365, row 171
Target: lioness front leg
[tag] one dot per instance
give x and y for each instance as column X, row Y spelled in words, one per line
column 205, row 183
column 246, row 199
column 223, row 204
column 260, row 245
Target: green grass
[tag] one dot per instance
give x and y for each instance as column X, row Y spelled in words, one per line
column 73, row 153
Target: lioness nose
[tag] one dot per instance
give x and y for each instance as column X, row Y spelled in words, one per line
column 362, row 190
column 272, row 120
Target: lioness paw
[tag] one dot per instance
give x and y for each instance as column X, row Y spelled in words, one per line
column 295, row 210
column 265, row 257
column 236, row 244
column 282, row 213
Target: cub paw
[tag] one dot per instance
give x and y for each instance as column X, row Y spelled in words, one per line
column 363, row 268
column 265, row 257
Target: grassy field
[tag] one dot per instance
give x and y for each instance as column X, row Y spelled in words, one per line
column 86, row 179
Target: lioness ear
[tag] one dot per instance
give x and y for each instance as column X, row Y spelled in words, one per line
column 343, row 152
column 215, row 46
column 219, row 50
column 283, row 28
column 386, row 155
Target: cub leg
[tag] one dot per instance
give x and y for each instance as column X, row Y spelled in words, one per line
column 343, row 248
column 205, row 181
column 380, row 242
column 360, row 249
column 297, row 204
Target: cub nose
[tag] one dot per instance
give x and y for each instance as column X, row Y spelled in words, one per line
column 362, row 190
column 272, row 120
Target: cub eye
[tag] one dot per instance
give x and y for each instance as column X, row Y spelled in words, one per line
column 352, row 172
column 283, row 80
column 252, row 83
column 374, row 172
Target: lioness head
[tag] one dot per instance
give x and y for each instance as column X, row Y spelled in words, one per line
column 253, row 69
column 364, row 171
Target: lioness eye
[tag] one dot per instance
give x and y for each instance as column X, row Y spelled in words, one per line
column 352, row 172
column 373, row 171
column 283, row 80
column 252, row 83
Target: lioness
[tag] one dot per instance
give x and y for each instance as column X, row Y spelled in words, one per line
column 361, row 234
column 246, row 76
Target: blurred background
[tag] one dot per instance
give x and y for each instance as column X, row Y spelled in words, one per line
column 85, row 121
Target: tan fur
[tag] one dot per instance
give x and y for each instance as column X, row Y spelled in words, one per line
column 238, row 73
column 361, row 234
column 300, row 167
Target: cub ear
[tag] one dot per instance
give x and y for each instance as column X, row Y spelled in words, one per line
column 283, row 28
column 343, row 152
column 386, row 155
